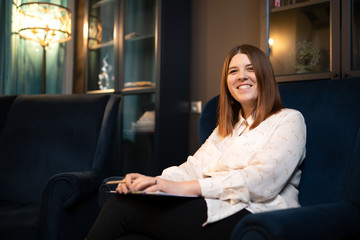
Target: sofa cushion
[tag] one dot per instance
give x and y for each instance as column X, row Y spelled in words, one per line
column 18, row 220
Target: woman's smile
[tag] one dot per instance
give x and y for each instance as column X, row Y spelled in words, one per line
column 244, row 86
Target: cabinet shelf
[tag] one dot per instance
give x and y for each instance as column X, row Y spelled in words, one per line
column 305, row 77
column 102, row 45
column 131, row 131
column 101, row 3
column 101, row 91
column 134, row 37
column 297, row 5
column 138, row 90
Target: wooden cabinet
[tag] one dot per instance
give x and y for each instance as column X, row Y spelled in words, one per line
column 140, row 49
column 313, row 39
column 350, row 44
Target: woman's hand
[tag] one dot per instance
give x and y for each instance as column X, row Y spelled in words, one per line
column 134, row 182
column 138, row 182
column 182, row 188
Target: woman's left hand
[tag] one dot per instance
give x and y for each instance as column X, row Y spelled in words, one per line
column 181, row 188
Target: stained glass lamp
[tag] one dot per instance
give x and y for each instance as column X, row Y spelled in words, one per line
column 44, row 23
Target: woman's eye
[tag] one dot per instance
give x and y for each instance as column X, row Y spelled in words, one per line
column 232, row 72
column 250, row 69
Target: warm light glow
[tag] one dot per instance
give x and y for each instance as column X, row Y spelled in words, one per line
column 44, row 23
column 95, row 31
column 271, row 42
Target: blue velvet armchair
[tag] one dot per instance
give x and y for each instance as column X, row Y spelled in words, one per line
column 54, row 154
column 329, row 191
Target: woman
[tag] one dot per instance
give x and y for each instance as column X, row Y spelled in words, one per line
column 248, row 164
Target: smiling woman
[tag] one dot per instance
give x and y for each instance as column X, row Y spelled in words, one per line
column 249, row 164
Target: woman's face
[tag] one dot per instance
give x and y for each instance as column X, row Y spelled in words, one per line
column 242, row 82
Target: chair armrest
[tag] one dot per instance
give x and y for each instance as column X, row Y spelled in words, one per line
column 332, row 221
column 68, row 197
column 70, row 187
column 105, row 188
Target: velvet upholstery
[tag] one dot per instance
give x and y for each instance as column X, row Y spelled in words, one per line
column 106, row 188
column 54, row 153
column 329, row 191
column 5, row 104
column 208, row 119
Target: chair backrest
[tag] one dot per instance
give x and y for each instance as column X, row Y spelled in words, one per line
column 5, row 105
column 49, row 134
column 332, row 116
column 208, row 119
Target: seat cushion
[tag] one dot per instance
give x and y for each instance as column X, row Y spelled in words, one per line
column 18, row 220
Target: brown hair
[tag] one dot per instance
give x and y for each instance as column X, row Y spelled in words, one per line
column 268, row 101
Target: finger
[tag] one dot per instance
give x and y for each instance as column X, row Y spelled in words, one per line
column 122, row 188
column 143, row 183
column 130, row 178
column 118, row 189
column 153, row 188
column 153, row 185
column 140, row 183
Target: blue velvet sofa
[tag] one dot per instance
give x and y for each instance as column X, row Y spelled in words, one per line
column 54, row 154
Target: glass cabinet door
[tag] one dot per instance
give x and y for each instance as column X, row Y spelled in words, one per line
column 122, row 56
column 138, row 124
column 139, row 81
column 139, row 37
column 300, row 37
column 100, row 54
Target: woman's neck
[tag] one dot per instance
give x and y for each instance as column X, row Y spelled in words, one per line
column 246, row 112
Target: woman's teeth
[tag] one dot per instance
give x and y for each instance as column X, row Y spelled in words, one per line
column 243, row 87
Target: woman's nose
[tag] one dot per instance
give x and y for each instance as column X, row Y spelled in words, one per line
column 241, row 75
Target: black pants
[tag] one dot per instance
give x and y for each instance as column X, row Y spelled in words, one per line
column 159, row 217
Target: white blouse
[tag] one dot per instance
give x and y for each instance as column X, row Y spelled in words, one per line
column 254, row 169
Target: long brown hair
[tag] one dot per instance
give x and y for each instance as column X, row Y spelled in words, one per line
column 268, row 101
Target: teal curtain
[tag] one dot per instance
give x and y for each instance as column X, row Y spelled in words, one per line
column 2, row 46
column 22, row 63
